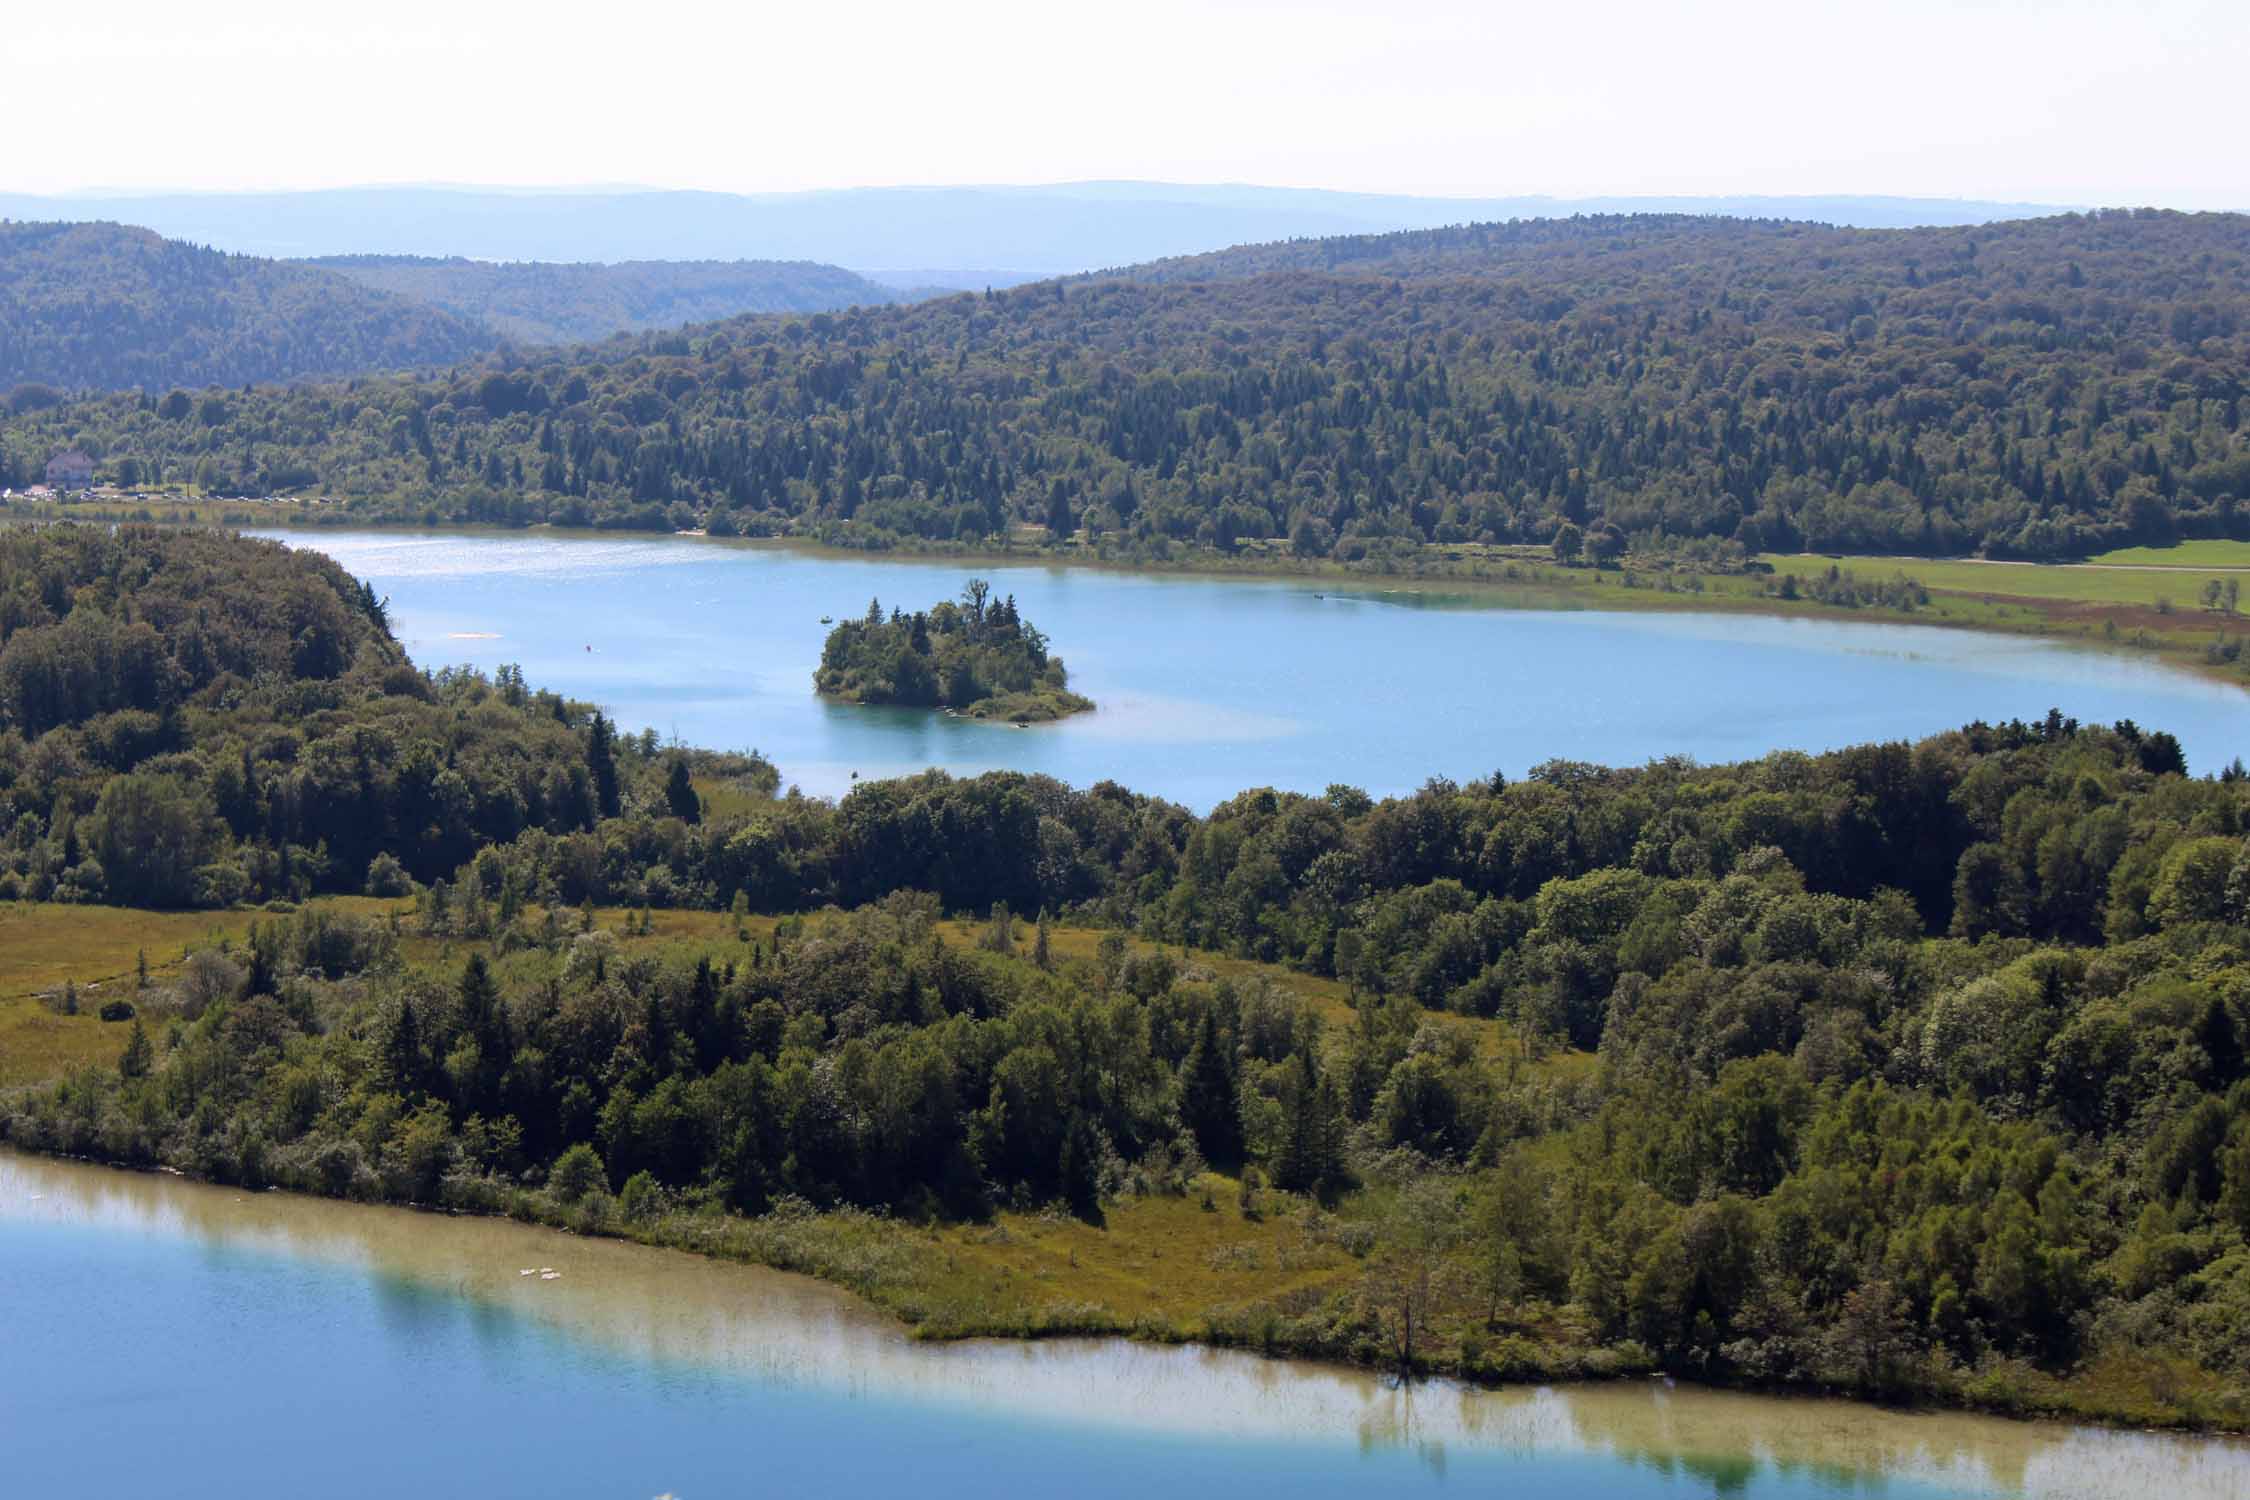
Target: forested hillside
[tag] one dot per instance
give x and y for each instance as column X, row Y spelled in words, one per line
column 2031, row 389
column 191, row 719
column 543, row 303
column 111, row 307
column 1900, row 1068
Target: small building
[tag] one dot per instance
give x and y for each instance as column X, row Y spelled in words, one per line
column 70, row 470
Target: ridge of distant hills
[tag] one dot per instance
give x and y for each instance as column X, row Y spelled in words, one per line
column 543, row 302
column 2043, row 388
column 111, row 306
column 968, row 237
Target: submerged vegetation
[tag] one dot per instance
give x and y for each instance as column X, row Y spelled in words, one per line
column 978, row 658
column 1904, row 1069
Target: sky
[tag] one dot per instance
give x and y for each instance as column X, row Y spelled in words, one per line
column 2075, row 102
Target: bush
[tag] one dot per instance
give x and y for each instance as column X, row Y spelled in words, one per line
column 577, row 1172
column 642, row 1199
column 387, row 877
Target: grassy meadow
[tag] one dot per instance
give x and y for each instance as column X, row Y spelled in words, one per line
column 2199, row 554
column 99, row 949
column 2137, row 585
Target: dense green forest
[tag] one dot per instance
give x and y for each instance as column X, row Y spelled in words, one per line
column 979, row 657
column 1907, row 1065
column 536, row 302
column 107, row 306
column 191, row 719
column 2031, row 389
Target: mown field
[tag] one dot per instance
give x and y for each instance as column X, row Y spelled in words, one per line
column 2201, row 554
column 2145, row 585
column 2154, row 606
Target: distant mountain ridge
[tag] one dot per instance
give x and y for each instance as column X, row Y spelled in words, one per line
column 978, row 235
column 111, row 306
column 580, row 302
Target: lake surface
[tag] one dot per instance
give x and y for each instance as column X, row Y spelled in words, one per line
column 1209, row 686
column 163, row 1337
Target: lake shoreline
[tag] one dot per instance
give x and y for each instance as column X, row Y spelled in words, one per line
column 975, row 713
column 692, row 1235
column 1518, row 582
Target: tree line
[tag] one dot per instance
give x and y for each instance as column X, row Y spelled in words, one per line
column 2035, row 389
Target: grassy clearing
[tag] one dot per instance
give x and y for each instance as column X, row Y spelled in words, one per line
column 36, row 1044
column 43, row 947
column 2156, row 609
column 1330, row 999
column 2070, row 583
column 97, row 948
column 1157, row 1267
column 2203, row 554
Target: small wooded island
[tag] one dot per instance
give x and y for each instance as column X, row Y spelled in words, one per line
column 978, row 658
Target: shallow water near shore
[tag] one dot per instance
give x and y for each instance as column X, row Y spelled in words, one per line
column 1207, row 686
column 169, row 1337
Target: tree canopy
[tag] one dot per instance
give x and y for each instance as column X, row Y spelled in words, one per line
column 107, row 306
column 2041, row 388
column 979, row 657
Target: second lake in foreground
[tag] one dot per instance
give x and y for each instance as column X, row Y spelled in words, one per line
column 1208, row 686
column 165, row 1337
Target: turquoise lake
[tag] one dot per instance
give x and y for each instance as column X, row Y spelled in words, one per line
column 167, row 1338
column 1208, row 686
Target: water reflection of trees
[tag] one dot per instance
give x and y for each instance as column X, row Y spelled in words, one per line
column 712, row 1321
column 1388, row 1423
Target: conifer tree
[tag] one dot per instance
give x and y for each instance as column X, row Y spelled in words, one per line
column 134, row 1063
column 601, row 765
column 1310, row 1156
column 1000, row 937
column 679, row 792
column 1208, row 1103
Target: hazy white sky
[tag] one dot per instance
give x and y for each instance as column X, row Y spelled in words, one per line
column 2066, row 101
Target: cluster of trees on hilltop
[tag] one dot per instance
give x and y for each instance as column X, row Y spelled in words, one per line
column 2033, row 389
column 979, row 657
column 104, row 305
column 537, row 302
column 191, row 719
